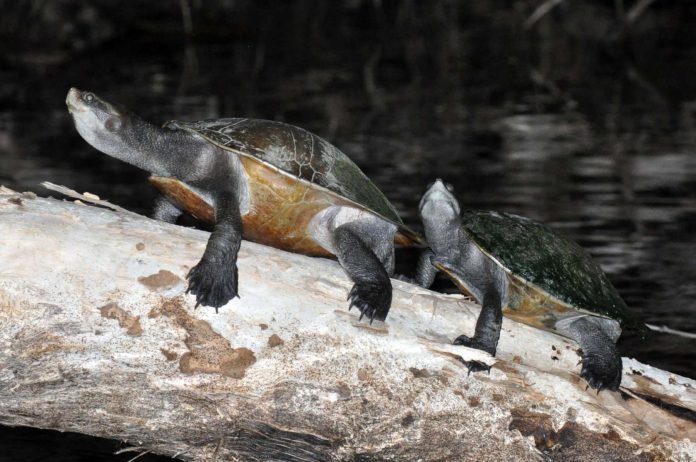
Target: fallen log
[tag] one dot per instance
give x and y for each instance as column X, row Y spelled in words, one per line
column 98, row 336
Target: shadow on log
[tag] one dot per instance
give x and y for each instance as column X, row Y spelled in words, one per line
column 98, row 337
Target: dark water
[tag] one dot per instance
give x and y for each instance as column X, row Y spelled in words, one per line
column 576, row 122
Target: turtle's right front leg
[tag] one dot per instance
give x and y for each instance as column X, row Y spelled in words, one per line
column 601, row 362
column 488, row 324
column 214, row 279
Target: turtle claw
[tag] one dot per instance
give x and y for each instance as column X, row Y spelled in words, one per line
column 211, row 286
column 372, row 301
column 473, row 365
column 601, row 373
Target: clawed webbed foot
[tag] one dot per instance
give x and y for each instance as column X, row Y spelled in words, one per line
column 473, row 343
column 372, row 300
column 601, row 372
column 212, row 284
column 473, row 365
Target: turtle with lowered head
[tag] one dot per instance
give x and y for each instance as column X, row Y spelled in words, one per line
column 267, row 181
column 514, row 266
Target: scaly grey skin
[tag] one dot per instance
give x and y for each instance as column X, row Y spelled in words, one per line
column 165, row 211
column 363, row 243
column 488, row 283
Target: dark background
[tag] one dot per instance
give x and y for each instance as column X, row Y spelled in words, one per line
column 582, row 117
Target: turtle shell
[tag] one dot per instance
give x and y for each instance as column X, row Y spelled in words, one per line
column 296, row 152
column 552, row 277
column 293, row 174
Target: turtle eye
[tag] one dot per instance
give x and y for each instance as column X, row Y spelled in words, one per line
column 88, row 97
column 449, row 187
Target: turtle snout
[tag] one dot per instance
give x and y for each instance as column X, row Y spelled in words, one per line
column 432, row 183
column 439, row 195
column 73, row 100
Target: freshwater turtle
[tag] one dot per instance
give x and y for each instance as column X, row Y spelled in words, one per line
column 268, row 181
column 520, row 268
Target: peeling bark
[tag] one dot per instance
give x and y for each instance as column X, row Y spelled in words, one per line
column 97, row 336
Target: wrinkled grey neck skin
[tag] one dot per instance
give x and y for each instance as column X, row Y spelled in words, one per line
column 440, row 214
column 127, row 137
column 160, row 151
column 442, row 226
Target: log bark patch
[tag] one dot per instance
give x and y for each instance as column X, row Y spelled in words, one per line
column 125, row 319
column 209, row 352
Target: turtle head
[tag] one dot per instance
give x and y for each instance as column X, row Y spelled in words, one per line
column 112, row 129
column 439, row 211
column 439, row 203
column 100, row 123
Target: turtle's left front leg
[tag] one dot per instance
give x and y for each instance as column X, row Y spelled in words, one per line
column 214, row 279
column 372, row 292
column 425, row 271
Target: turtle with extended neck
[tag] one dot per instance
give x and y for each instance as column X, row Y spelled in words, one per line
column 514, row 266
column 270, row 182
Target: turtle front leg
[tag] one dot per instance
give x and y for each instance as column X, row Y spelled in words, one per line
column 601, row 362
column 214, row 279
column 425, row 272
column 372, row 292
column 165, row 211
column 488, row 324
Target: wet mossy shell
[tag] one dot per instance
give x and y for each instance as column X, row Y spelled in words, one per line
column 545, row 262
column 293, row 174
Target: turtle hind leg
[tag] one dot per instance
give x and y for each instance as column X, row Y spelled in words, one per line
column 165, row 211
column 601, row 362
column 488, row 324
column 214, row 279
column 372, row 292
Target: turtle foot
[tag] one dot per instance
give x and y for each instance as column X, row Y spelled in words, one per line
column 372, row 300
column 212, row 285
column 601, row 372
column 473, row 343
column 474, row 366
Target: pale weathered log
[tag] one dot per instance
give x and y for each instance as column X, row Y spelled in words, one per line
column 97, row 336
